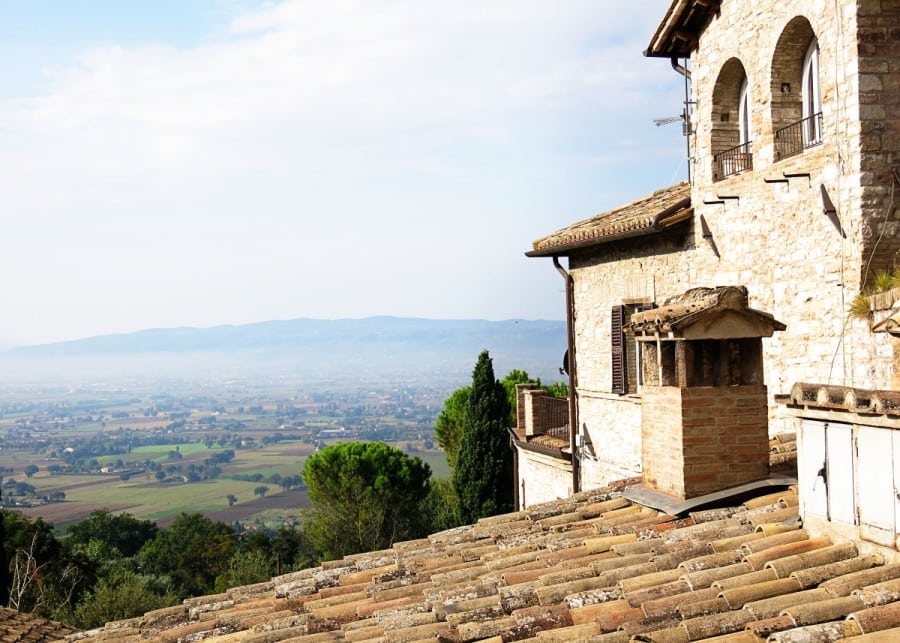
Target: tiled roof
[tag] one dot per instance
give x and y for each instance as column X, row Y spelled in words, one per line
column 647, row 215
column 18, row 626
column 593, row 567
column 701, row 304
column 680, row 29
column 845, row 398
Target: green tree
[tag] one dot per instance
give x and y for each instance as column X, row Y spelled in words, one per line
column 440, row 506
column 558, row 389
column 193, row 551
column 292, row 550
column 261, row 491
column 509, row 382
column 448, row 426
column 123, row 532
column 124, row 595
column 245, row 568
column 30, row 470
column 41, row 579
column 483, row 476
column 231, row 498
column 4, row 558
column 365, row 496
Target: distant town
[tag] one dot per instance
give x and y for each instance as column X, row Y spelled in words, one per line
column 232, row 449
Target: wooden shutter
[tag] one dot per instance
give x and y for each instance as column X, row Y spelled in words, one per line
column 619, row 367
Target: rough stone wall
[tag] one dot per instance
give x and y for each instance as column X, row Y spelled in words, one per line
column 542, row 478
column 799, row 263
column 878, row 47
column 612, row 425
column 776, row 238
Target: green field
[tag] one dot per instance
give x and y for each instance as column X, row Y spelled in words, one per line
column 144, row 497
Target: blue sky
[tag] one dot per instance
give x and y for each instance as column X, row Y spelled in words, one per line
column 205, row 162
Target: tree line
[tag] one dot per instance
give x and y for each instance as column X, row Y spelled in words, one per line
column 365, row 496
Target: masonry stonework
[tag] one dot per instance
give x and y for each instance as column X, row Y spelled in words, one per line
column 543, row 478
column 802, row 233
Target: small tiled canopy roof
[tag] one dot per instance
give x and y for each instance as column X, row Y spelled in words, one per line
column 680, row 29
column 723, row 311
column 19, row 626
column 647, row 215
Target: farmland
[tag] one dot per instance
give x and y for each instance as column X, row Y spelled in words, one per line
column 233, row 455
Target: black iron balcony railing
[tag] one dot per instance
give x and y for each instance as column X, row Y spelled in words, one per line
column 737, row 159
column 798, row 136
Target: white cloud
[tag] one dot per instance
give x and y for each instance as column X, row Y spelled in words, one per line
column 324, row 132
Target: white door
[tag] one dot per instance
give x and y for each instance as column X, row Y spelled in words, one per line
column 875, row 476
column 811, row 469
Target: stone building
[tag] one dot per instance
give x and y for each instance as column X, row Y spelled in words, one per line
column 793, row 120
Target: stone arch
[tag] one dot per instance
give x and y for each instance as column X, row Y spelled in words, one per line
column 727, row 119
column 787, row 86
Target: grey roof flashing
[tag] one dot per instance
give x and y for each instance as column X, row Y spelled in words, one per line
column 676, row 506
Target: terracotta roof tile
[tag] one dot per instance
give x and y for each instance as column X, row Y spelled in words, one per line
column 647, row 215
column 822, row 611
column 19, row 626
column 880, row 593
column 773, row 606
column 874, row 619
column 584, row 568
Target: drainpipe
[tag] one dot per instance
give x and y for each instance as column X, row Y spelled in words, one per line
column 573, row 371
column 684, row 71
column 681, row 69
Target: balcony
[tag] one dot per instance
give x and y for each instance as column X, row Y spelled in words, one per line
column 799, row 136
column 542, row 420
column 734, row 161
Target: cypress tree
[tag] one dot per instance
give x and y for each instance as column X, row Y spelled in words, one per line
column 483, row 476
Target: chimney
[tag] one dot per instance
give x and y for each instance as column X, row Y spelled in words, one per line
column 522, row 410
column 704, row 409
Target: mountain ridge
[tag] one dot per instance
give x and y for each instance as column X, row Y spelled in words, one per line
column 368, row 347
column 297, row 332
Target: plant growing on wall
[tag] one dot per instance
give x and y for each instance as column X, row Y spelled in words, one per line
column 861, row 306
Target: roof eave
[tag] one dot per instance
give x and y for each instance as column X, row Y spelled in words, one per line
column 563, row 249
column 678, row 33
column 663, row 220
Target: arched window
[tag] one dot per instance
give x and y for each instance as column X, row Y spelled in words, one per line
column 731, row 133
column 812, row 97
column 796, row 106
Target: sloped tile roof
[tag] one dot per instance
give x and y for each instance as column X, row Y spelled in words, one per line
column 647, row 215
column 593, row 567
column 19, row 626
column 703, row 304
column 680, row 29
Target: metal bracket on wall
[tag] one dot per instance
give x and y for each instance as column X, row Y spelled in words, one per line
column 798, row 175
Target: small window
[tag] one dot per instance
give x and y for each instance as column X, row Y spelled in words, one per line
column 812, row 97
column 625, row 350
